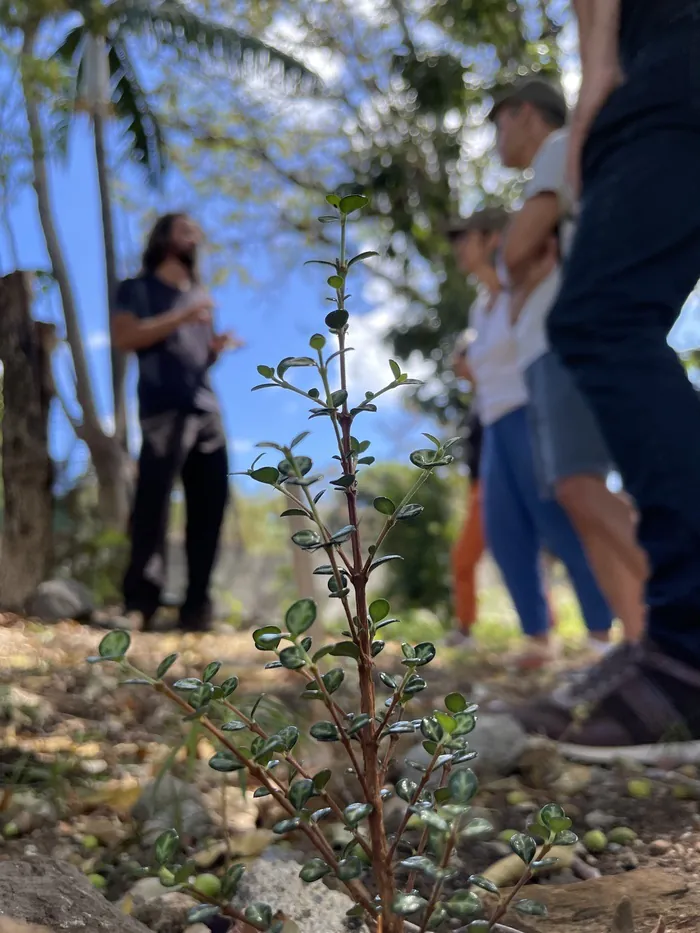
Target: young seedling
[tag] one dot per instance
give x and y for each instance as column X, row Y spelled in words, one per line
column 414, row 878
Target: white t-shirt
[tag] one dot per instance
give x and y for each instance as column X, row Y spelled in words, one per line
column 549, row 175
column 493, row 358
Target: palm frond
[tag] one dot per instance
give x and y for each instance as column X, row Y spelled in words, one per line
column 172, row 24
column 131, row 105
column 71, row 48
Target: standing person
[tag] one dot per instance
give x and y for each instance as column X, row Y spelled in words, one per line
column 635, row 148
column 518, row 523
column 572, row 458
column 470, row 546
column 165, row 317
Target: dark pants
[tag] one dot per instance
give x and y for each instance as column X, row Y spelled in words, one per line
column 192, row 446
column 635, row 259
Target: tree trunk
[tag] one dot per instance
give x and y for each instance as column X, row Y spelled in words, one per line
column 108, row 455
column 27, row 471
column 118, row 359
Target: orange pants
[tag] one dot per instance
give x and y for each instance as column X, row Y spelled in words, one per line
column 466, row 554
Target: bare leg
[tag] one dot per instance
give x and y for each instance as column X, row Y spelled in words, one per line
column 606, row 524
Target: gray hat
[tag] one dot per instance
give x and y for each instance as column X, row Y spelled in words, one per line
column 539, row 92
column 487, row 220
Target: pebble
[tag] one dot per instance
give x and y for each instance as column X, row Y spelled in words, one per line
column 629, row 861
column 660, row 847
column 597, row 819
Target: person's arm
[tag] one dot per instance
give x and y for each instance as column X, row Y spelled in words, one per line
column 131, row 333
column 528, row 234
column 601, row 73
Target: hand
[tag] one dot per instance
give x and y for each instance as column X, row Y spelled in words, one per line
column 197, row 307
column 597, row 86
column 227, row 341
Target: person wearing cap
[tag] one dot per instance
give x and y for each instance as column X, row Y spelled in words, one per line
column 634, row 153
column 519, row 524
column 572, row 459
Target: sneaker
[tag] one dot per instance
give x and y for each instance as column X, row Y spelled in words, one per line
column 460, row 640
column 133, row 620
column 533, row 657
column 637, row 703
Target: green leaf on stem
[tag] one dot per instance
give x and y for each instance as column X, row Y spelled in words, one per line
column 115, row 645
column 301, row 792
column 259, row 915
column 387, row 680
column 463, row 785
column 167, row 844
column 267, row 638
column 343, row 534
column 395, row 368
column 225, row 762
column 165, row 665
column 384, row 505
column 422, row 864
column 314, row 870
column 383, row 560
column 478, row 828
column 292, row 658
column 333, row 200
column 307, row 539
column 231, row 880
column 336, row 282
column 345, row 481
column 430, row 459
column 333, row 679
column 355, row 813
column 233, row 725
column 349, row 868
column 325, row 732
column 433, row 821
column 566, row 838
column 317, row 342
column 406, row 789
column 294, row 362
column 378, row 610
column 448, row 723
column 211, row 670
column 187, row 684
column 484, row 883
column 358, row 722
column 229, row 686
column 267, row 372
column 402, row 727
column 432, row 729
column 352, row 202
column 554, row 818
column 268, row 475
column 361, row 257
column 337, row 320
column 412, row 510
column 345, row 649
column 524, row 847
column 287, row 826
column 300, row 616
column 321, row 779
column 455, row 703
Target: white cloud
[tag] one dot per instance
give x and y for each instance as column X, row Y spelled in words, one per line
column 368, row 364
column 240, row 445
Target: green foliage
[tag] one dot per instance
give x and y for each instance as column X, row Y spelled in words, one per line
column 365, row 721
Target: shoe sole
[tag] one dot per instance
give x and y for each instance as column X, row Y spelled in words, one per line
column 677, row 752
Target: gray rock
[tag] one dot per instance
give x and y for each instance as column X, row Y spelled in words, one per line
column 168, row 803
column 54, row 600
column 597, row 819
column 314, row 908
column 498, row 739
column 57, row 896
column 164, row 914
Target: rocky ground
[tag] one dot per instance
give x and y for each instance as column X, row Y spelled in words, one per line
column 92, row 771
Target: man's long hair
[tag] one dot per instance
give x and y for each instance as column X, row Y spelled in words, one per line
column 159, row 245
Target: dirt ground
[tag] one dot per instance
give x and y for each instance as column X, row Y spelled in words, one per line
column 77, row 748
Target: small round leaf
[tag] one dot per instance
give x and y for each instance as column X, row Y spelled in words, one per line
column 115, row 645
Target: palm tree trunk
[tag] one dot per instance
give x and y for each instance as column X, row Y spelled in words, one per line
column 118, row 359
column 108, row 456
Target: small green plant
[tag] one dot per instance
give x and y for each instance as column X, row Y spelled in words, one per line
column 412, row 869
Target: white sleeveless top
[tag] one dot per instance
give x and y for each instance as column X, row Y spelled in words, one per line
column 493, row 358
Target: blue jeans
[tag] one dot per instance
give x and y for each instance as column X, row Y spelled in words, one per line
column 518, row 524
column 634, row 261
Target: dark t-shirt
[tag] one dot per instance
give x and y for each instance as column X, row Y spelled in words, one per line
column 643, row 22
column 173, row 374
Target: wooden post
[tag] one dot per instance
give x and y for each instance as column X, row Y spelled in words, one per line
column 27, row 470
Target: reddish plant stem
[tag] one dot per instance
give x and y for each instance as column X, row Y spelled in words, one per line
column 416, row 796
column 358, row 892
column 501, row 909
